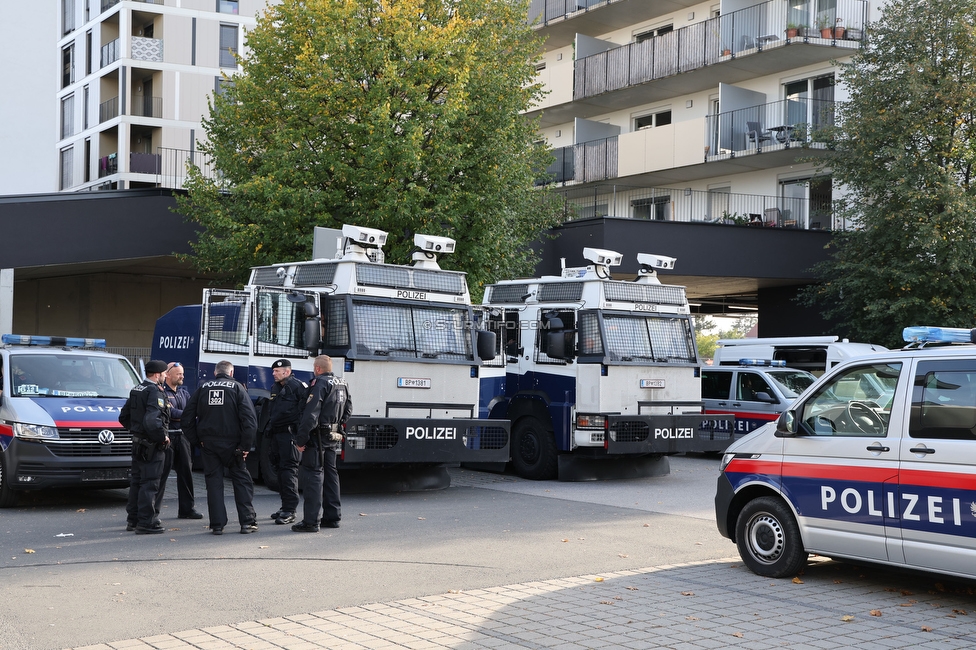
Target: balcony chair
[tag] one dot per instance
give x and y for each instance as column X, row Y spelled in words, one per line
column 756, row 135
column 773, row 216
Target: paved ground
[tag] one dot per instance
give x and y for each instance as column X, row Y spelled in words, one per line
column 714, row 604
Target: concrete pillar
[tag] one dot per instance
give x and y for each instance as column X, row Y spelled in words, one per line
column 6, row 301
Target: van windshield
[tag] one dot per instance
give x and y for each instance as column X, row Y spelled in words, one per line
column 791, row 382
column 70, row 375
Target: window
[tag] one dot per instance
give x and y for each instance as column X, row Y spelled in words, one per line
column 88, row 53
column 651, row 33
column 649, row 339
column 228, row 6
column 661, row 118
column 67, row 164
column 944, row 401
column 84, row 107
column 221, row 85
column 67, row 116
column 657, row 208
column 228, row 46
column 856, row 402
column 67, row 65
column 67, row 16
column 716, row 384
column 750, row 384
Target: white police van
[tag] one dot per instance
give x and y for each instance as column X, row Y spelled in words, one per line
column 874, row 462
column 756, row 391
column 815, row 354
column 59, row 415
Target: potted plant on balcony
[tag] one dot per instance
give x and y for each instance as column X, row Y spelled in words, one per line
column 823, row 24
column 839, row 28
column 792, row 29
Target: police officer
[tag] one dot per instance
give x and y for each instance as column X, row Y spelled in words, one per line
column 326, row 411
column 220, row 418
column 287, row 401
column 146, row 415
column 178, row 454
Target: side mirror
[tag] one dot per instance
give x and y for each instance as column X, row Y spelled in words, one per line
column 786, row 425
column 313, row 335
column 763, row 396
column 559, row 345
column 486, row 345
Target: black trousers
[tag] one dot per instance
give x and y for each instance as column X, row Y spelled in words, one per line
column 288, row 459
column 320, row 486
column 143, row 487
column 214, row 462
column 178, row 458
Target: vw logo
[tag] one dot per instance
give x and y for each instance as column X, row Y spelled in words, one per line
column 106, row 437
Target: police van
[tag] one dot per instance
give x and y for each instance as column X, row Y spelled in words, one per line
column 815, row 354
column 874, row 462
column 59, row 415
column 756, row 391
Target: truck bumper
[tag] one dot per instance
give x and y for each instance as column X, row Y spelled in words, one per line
column 32, row 466
column 668, row 434
column 724, row 493
column 408, row 440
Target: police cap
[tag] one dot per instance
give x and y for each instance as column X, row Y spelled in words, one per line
column 155, row 366
column 281, row 363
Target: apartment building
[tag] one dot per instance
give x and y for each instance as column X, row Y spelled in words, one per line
column 134, row 82
column 681, row 110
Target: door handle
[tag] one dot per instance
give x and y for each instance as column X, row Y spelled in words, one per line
column 878, row 447
column 921, row 449
column 736, row 404
column 723, row 403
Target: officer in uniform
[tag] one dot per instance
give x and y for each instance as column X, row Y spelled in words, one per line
column 178, row 455
column 287, row 401
column 146, row 415
column 326, row 411
column 220, row 418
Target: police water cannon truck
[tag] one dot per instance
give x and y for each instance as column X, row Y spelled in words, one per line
column 591, row 369
column 402, row 337
column 60, row 399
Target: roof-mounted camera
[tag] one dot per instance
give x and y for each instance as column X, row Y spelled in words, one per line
column 650, row 263
column 430, row 247
column 363, row 244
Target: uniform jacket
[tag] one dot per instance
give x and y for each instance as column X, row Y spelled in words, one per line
column 146, row 412
column 177, row 402
column 287, row 402
column 220, row 415
column 328, row 403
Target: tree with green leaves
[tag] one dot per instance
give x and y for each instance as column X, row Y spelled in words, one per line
column 403, row 115
column 904, row 149
column 707, row 341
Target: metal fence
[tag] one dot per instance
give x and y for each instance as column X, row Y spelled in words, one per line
column 782, row 124
column 175, row 165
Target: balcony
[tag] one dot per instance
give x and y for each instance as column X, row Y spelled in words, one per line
column 108, row 165
column 560, row 20
column 108, row 110
column 147, row 49
column 175, row 165
column 731, row 48
column 774, row 126
column 111, row 53
column 685, row 205
column 108, row 4
column 585, row 162
column 147, row 106
column 145, row 163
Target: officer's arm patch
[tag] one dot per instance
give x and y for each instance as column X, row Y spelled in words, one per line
column 160, row 402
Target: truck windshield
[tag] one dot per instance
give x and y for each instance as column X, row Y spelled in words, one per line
column 791, row 382
column 70, row 375
column 657, row 339
column 412, row 331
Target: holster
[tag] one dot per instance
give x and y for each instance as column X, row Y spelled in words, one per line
column 145, row 448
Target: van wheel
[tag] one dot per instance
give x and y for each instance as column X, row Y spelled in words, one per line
column 8, row 497
column 268, row 473
column 534, row 450
column 769, row 539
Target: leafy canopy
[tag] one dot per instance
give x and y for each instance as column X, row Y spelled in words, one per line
column 403, row 115
column 905, row 149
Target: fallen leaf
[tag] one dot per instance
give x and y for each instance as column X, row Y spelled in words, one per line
column 847, row 618
column 623, row 555
column 936, row 604
column 926, row 628
column 632, row 588
column 422, row 518
column 172, row 529
column 565, row 540
column 737, row 634
column 875, row 612
column 172, row 539
column 81, row 510
column 453, row 591
column 961, row 612
column 698, row 544
column 905, row 592
column 618, row 598
column 28, row 550
column 647, row 525
column 797, row 581
column 687, row 593
column 607, row 602
column 597, row 579
column 363, row 514
column 838, row 582
column 692, row 618
column 262, row 547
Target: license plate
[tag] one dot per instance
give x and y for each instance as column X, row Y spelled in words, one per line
column 652, row 383
column 111, row 474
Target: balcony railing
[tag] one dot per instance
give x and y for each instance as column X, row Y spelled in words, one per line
column 175, row 164
column 111, row 52
column 108, row 4
column 546, row 10
column 772, row 126
column 147, row 106
column 671, row 204
column 108, row 165
column 745, row 31
column 585, row 162
column 108, row 110
column 147, row 49
column 144, row 163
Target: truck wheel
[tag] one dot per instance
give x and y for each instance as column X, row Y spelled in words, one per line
column 268, row 474
column 8, row 497
column 769, row 539
column 534, row 450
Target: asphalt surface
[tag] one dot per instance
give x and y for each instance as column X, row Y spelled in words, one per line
column 492, row 562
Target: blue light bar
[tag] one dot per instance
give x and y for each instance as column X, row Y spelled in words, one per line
column 938, row 335
column 762, row 362
column 58, row 341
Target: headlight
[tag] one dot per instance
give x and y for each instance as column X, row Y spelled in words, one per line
column 34, row 431
column 726, row 459
column 584, row 421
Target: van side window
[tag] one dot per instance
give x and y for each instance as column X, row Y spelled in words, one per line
column 750, row 385
column 716, row 385
column 944, row 401
column 856, row 402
